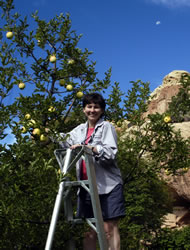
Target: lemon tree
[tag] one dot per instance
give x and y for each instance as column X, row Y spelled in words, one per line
column 33, row 62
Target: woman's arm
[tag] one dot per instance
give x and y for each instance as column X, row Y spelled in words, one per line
column 107, row 149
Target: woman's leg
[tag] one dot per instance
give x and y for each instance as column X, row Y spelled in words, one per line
column 112, row 234
column 89, row 241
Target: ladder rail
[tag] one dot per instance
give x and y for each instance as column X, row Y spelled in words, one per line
column 58, row 200
column 95, row 199
column 54, row 218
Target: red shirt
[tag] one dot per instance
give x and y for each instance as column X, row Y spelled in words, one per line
column 83, row 173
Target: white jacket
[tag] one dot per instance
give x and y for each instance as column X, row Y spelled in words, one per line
column 105, row 139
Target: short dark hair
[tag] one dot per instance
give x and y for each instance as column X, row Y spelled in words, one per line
column 94, row 98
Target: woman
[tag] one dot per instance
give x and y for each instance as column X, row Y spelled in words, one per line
column 101, row 137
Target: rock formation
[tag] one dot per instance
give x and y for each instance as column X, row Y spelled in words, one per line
column 179, row 185
column 163, row 94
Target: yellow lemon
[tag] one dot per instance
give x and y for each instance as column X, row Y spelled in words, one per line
column 119, row 123
column 79, row 94
column 69, row 87
column 21, row 85
column 51, row 109
column 52, row 59
column 71, row 61
column 23, row 130
column 27, row 116
column 9, row 34
column 36, row 131
column 167, row 119
column 62, row 82
column 43, row 137
column 32, row 123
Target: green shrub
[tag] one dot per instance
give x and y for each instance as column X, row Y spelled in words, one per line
column 168, row 239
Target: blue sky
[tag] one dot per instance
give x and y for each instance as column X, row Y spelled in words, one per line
column 139, row 39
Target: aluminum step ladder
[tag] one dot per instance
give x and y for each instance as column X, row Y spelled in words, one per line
column 67, row 160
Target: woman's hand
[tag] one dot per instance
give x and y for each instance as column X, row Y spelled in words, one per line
column 75, row 146
column 94, row 149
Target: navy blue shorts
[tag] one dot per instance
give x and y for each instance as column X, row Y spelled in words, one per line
column 112, row 204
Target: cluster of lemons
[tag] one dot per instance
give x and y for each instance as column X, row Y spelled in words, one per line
column 32, row 124
column 69, row 87
column 62, row 82
column 52, row 59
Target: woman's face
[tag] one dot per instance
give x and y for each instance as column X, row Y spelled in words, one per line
column 93, row 112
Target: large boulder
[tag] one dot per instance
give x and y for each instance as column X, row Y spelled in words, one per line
column 179, row 184
column 162, row 95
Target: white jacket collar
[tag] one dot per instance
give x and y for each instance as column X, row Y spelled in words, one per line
column 99, row 123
